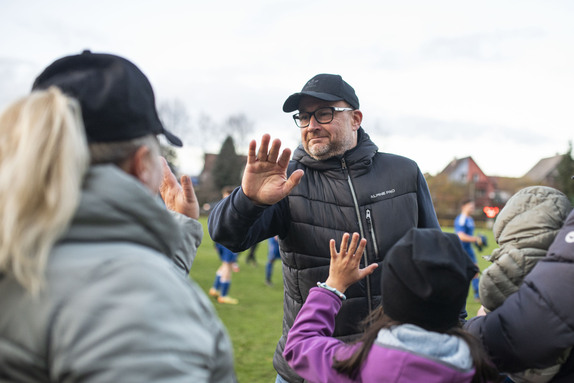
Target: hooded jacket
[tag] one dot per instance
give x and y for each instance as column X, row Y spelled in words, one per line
column 405, row 353
column 117, row 305
column 379, row 195
column 524, row 230
column 534, row 326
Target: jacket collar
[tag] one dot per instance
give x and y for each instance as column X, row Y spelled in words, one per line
column 115, row 207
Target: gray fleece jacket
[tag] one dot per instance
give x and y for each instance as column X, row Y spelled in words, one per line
column 117, row 305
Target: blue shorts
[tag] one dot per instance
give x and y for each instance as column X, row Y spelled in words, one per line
column 225, row 254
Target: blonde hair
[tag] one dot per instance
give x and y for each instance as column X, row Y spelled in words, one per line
column 43, row 159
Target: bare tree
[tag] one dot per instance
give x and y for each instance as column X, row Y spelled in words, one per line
column 175, row 118
column 207, row 132
column 239, row 127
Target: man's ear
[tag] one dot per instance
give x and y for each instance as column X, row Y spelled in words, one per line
column 139, row 166
column 357, row 119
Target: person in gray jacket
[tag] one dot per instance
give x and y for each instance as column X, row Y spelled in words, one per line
column 337, row 182
column 94, row 282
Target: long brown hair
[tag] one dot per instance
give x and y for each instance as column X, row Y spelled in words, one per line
column 378, row 320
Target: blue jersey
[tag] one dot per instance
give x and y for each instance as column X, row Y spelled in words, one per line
column 465, row 225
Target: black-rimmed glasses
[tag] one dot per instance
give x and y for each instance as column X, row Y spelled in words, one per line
column 322, row 115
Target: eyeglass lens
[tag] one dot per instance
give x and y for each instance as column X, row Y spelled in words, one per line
column 323, row 116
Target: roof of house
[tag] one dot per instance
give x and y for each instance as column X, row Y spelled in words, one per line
column 543, row 168
column 454, row 164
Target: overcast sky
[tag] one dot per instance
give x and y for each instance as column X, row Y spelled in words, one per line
column 436, row 80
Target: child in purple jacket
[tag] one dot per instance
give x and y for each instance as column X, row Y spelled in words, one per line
column 417, row 338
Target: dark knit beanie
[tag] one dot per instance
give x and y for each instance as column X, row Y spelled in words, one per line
column 425, row 279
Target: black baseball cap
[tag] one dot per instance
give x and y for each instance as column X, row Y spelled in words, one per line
column 117, row 99
column 327, row 87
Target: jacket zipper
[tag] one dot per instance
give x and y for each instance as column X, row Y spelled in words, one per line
column 372, row 232
column 362, row 231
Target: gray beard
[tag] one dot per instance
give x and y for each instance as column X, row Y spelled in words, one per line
column 331, row 150
column 325, row 152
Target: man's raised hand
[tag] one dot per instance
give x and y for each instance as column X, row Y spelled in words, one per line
column 265, row 179
column 179, row 198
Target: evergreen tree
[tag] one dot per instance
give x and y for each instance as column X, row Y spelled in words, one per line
column 228, row 166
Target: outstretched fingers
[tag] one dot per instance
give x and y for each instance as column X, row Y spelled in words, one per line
column 262, row 154
column 188, row 191
column 274, row 151
column 284, row 158
column 251, row 156
column 168, row 182
column 179, row 198
column 348, row 250
column 168, row 176
column 345, row 269
column 352, row 250
column 344, row 242
column 357, row 254
column 367, row 270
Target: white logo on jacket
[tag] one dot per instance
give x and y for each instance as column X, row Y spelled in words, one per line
column 569, row 237
column 383, row 193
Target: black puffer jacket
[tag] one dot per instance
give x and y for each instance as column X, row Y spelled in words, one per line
column 378, row 195
column 535, row 325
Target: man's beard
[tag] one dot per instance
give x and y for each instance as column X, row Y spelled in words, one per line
column 330, row 149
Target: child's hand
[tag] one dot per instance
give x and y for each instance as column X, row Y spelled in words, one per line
column 344, row 269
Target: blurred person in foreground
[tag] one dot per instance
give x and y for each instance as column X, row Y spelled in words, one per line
column 414, row 337
column 94, row 282
column 337, row 182
column 525, row 291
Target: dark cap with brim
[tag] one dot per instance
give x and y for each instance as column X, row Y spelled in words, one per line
column 117, row 99
column 327, row 87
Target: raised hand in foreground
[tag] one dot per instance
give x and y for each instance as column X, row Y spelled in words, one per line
column 178, row 198
column 265, row 179
column 344, row 269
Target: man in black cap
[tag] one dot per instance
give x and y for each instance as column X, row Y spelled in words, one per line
column 118, row 304
column 337, row 182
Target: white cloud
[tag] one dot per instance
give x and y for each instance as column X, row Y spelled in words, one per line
column 440, row 79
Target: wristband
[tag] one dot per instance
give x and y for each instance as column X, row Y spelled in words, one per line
column 323, row 285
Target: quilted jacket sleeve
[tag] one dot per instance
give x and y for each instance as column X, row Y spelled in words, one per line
column 193, row 234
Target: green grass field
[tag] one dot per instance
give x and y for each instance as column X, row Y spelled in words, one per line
column 254, row 325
